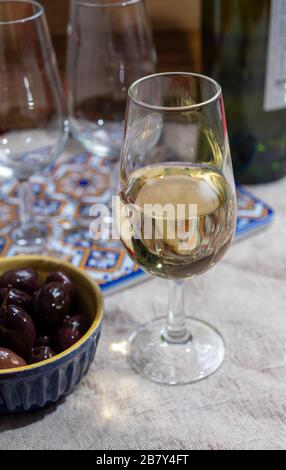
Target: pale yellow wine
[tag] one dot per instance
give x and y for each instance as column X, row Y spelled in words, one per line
column 182, row 244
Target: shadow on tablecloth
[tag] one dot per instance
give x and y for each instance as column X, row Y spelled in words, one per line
column 20, row 420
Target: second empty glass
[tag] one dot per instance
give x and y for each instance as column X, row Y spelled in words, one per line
column 110, row 46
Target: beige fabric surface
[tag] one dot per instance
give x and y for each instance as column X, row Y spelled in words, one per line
column 243, row 406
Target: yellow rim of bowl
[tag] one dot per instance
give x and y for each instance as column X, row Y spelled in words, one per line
column 97, row 321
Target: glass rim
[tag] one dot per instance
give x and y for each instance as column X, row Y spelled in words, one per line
column 190, row 107
column 100, row 4
column 25, row 19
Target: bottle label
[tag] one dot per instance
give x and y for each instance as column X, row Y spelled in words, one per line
column 275, row 80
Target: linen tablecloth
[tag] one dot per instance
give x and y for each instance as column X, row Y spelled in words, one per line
column 240, row 407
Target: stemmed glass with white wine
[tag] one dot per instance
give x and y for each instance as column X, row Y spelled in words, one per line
column 177, row 213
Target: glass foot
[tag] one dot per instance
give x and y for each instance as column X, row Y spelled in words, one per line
column 151, row 356
column 30, row 238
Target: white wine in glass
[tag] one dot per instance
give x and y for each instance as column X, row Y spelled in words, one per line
column 207, row 233
column 177, row 213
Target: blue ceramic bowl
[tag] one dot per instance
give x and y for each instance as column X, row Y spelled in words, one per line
column 36, row 386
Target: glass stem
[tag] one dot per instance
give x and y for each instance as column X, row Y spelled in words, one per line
column 176, row 331
column 26, row 202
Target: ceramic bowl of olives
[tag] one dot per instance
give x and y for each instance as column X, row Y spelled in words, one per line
column 50, row 323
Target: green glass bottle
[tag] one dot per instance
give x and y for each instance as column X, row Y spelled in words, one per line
column 244, row 48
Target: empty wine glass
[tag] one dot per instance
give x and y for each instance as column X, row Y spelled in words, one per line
column 33, row 121
column 110, row 46
column 177, row 213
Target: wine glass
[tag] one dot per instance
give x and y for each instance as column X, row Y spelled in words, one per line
column 177, row 213
column 33, row 122
column 110, row 46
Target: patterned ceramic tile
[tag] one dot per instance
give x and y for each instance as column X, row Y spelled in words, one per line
column 66, row 197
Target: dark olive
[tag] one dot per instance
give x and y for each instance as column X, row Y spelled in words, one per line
column 70, row 332
column 52, row 303
column 26, row 280
column 44, row 341
column 3, row 294
column 19, row 298
column 40, row 353
column 17, row 329
column 3, row 340
column 77, row 321
column 10, row 360
column 59, row 276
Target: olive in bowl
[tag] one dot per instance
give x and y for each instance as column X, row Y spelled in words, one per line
column 45, row 370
